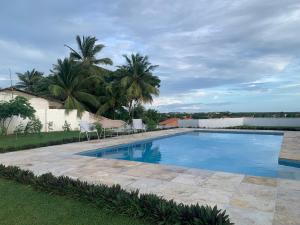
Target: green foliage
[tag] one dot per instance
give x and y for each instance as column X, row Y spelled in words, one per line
column 137, row 80
column 69, row 85
column 151, row 118
column 28, row 141
column 18, row 106
column 19, row 129
column 3, row 130
column 98, row 127
column 81, row 84
column 88, row 49
column 150, row 207
column 29, row 80
column 66, row 126
column 34, row 126
column 50, row 126
column 23, row 205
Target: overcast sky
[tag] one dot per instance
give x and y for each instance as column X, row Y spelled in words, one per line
column 213, row 55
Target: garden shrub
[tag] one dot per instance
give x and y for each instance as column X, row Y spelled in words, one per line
column 149, row 207
column 50, row 126
column 66, row 126
column 34, row 126
column 98, row 127
column 19, row 129
column 18, row 106
column 2, row 130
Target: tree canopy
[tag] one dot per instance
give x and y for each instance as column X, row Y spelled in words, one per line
column 69, row 86
column 81, row 83
column 29, row 80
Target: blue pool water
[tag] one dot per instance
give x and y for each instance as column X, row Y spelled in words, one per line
column 245, row 153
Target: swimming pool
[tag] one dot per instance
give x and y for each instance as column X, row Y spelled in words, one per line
column 245, row 153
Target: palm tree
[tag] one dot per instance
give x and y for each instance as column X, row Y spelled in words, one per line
column 88, row 50
column 29, row 80
column 110, row 100
column 138, row 81
column 69, row 85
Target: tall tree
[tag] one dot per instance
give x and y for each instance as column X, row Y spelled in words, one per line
column 110, row 101
column 29, row 80
column 87, row 51
column 69, row 85
column 137, row 80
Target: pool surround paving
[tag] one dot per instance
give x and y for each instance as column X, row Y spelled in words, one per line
column 249, row 200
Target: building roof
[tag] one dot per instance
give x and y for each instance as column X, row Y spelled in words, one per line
column 170, row 122
column 30, row 93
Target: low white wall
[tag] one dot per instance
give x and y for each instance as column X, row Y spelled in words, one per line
column 220, row 123
column 272, row 122
column 188, row 123
column 57, row 116
column 232, row 122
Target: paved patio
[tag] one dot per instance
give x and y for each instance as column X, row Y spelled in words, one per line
column 249, row 200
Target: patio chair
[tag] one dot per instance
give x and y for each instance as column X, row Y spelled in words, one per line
column 137, row 125
column 126, row 128
column 87, row 128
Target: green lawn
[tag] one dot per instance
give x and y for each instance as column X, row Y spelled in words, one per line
column 21, row 205
column 10, row 142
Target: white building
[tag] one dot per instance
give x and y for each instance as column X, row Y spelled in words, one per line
column 51, row 111
column 35, row 101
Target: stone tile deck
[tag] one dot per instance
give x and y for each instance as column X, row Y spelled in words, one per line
column 291, row 147
column 249, row 200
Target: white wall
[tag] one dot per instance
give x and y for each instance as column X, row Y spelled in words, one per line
column 220, row 123
column 232, row 122
column 35, row 102
column 188, row 123
column 57, row 116
column 270, row 122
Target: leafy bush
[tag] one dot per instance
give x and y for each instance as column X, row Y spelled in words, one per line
column 50, row 126
column 98, row 127
column 18, row 106
column 19, row 129
column 34, row 126
column 150, row 207
column 151, row 125
column 2, row 130
column 66, row 126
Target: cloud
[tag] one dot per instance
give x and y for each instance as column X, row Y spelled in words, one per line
column 221, row 48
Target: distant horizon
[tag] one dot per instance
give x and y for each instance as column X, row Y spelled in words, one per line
column 237, row 56
column 233, row 112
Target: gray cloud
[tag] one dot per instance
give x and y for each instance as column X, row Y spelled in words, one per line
column 198, row 44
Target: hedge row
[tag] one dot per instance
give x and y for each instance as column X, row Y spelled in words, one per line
column 148, row 207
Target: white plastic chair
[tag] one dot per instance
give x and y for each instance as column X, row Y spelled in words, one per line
column 87, row 128
column 123, row 129
column 137, row 125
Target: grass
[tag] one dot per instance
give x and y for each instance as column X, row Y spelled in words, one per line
column 11, row 143
column 21, row 205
